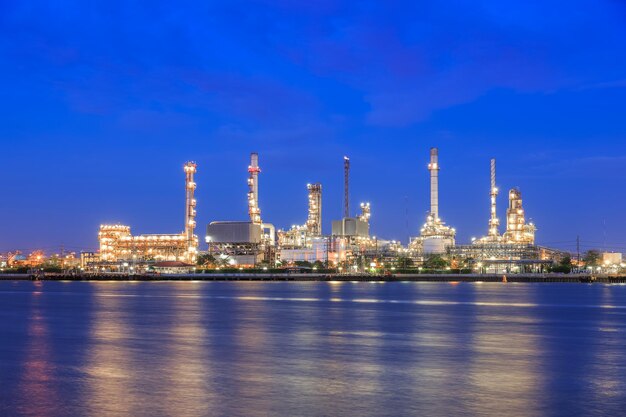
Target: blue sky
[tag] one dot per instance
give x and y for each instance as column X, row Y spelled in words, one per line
column 102, row 103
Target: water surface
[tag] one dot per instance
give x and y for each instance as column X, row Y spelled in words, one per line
column 311, row 349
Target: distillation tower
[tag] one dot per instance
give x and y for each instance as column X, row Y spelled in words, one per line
column 515, row 250
column 253, row 189
column 314, row 220
column 517, row 231
column 365, row 213
column 435, row 236
column 301, row 236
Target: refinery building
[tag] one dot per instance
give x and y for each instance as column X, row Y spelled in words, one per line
column 122, row 251
column 349, row 247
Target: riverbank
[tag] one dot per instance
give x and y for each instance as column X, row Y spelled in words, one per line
column 529, row 278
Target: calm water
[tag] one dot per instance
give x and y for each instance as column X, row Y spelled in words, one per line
column 311, row 349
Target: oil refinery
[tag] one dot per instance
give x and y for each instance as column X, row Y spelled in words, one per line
column 119, row 249
column 349, row 248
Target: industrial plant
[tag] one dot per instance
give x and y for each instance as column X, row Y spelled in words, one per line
column 120, row 250
column 349, row 248
column 244, row 243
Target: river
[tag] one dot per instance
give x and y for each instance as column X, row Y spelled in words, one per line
column 311, row 349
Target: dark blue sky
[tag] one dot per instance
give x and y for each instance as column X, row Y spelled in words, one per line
column 102, row 103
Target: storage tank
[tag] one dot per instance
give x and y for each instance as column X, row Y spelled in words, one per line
column 436, row 245
column 234, row 232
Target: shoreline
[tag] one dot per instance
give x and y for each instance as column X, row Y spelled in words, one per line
column 309, row 277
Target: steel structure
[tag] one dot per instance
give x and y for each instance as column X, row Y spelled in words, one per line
column 493, row 234
column 494, row 222
column 515, row 249
column 314, row 220
column 301, row 236
column 253, row 189
column 517, row 231
column 118, row 245
column 190, row 169
column 433, row 168
column 346, row 186
column 259, row 244
column 365, row 213
column 506, row 257
column 435, row 236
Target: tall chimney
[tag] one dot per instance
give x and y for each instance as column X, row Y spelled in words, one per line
column 190, row 211
column 253, row 189
column 346, row 183
column 433, row 167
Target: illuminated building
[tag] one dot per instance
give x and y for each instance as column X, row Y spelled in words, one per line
column 493, row 234
column 89, row 260
column 305, row 242
column 118, row 245
column 517, row 231
column 300, row 236
column 515, row 250
column 244, row 243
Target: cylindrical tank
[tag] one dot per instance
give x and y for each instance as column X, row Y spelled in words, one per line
column 436, row 245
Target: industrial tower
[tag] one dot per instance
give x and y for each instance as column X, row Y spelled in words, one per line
column 119, row 246
column 433, row 168
column 365, row 213
column 190, row 211
column 346, row 184
column 314, row 220
column 435, row 236
column 253, row 189
column 494, row 222
column 517, row 231
column 493, row 234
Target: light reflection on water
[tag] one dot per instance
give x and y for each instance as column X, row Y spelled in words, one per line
column 292, row 349
column 35, row 382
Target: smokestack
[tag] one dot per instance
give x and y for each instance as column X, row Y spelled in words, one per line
column 493, row 221
column 253, row 189
column 433, row 167
column 346, row 180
